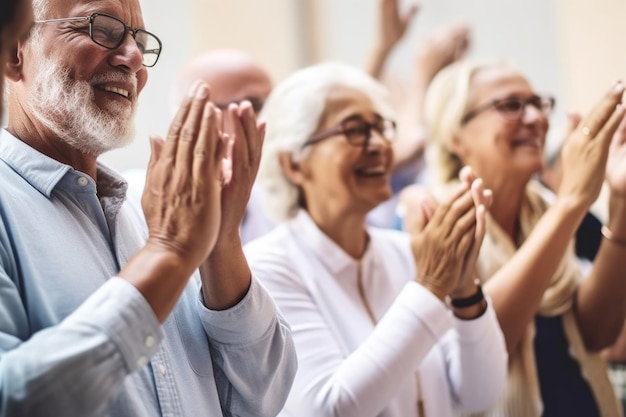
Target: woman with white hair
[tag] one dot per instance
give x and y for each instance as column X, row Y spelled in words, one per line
column 485, row 114
column 385, row 323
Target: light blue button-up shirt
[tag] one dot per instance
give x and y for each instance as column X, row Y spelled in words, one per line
column 76, row 341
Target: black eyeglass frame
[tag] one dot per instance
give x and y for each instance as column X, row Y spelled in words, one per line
column 538, row 99
column 256, row 102
column 341, row 129
column 130, row 29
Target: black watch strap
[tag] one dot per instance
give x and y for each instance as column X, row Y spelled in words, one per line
column 469, row 301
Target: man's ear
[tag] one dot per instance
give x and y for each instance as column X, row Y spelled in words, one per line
column 291, row 169
column 15, row 60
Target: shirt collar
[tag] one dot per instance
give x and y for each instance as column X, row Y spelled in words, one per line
column 45, row 173
column 331, row 255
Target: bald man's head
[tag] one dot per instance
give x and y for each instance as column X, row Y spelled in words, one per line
column 232, row 75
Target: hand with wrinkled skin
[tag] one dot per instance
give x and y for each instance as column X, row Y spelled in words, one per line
column 245, row 145
column 181, row 202
column 441, row 247
column 420, row 207
column 584, row 156
column 225, row 273
column 482, row 202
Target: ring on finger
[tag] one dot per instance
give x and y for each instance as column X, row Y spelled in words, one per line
column 586, row 131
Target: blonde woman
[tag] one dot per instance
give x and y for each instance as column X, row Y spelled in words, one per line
column 487, row 115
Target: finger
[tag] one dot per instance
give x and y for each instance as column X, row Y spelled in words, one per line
column 429, row 207
column 619, row 137
column 445, row 206
column 173, row 134
column 487, row 199
column 251, row 134
column 409, row 16
column 466, row 175
column 156, row 149
column 465, row 221
column 463, row 235
column 239, row 153
column 481, row 225
column 261, row 128
column 478, row 192
column 573, row 120
column 459, row 209
column 608, row 130
column 203, row 159
column 196, row 119
column 601, row 113
column 227, row 160
column 415, row 219
column 479, row 234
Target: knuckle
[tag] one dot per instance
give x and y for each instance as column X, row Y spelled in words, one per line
column 188, row 133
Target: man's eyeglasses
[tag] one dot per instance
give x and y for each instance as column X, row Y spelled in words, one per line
column 109, row 32
column 512, row 108
column 256, row 102
column 357, row 131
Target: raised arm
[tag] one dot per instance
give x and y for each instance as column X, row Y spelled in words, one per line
column 602, row 297
column 181, row 202
column 435, row 52
column 241, row 318
column 517, row 288
column 391, row 28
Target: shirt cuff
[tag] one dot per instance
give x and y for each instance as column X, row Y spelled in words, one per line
column 120, row 311
column 429, row 309
column 476, row 329
column 245, row 323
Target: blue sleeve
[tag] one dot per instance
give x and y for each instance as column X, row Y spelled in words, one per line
column 76, row 368
column 253, row 354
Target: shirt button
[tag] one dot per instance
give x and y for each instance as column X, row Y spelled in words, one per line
column 142, row 361
column 150, row 341
column 162, row 369
column 82, row 181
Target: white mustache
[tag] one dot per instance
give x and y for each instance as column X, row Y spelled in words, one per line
column 117, row 77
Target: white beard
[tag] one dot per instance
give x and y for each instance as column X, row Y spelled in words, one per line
column 68, row 109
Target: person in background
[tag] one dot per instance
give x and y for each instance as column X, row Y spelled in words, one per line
column 438, row 49
column 485, row 114
column 374, row 327
column 105, row 311
column 233, row 77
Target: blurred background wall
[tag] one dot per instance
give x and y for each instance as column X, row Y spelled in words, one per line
column 573, row 49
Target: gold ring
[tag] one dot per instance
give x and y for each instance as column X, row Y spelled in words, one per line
column 586, row 131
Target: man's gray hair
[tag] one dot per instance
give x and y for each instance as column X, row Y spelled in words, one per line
column 293, row 112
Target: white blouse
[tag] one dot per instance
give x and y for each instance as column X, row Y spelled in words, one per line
column 350, row 367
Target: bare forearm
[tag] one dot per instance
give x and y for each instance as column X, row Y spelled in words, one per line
column 412, row 138
column 160, row 276
column 376, row 61
column 602, row 297
column 517, row 288
column 225, row 275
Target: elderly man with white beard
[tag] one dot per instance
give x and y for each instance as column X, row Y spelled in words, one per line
column 105, row 310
